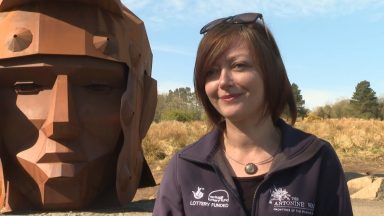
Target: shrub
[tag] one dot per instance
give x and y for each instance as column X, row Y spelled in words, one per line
column 167, row 137
column 351, row 138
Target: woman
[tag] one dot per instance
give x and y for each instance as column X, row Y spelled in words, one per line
column 252, row 163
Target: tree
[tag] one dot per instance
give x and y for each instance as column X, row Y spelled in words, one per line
column 319, row 111
column 180, row 104
column 300, row 102
column 381, row 108
column 328, row 111
column 364, row 101
column 342, row 109
column 160, row 107
column 324, row 112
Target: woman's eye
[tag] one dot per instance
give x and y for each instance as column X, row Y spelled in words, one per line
column 27, row 88
column 239, row 66
column 212, row 72
column 98, row 87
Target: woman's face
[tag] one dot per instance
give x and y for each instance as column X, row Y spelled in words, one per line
column 234, row 84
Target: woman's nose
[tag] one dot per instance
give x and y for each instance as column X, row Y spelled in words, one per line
column 226, row 79
column 62, row 122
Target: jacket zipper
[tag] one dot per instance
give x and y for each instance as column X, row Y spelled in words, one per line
column 225, row 182
column 255, row 205
column 221, row 177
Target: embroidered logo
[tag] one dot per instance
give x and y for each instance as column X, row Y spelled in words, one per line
column 279, row 195
column 218, row 196
column 198, row 194
column 215, row 199
column 282, row 201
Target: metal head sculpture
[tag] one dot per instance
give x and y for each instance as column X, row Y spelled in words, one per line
column 76, row 99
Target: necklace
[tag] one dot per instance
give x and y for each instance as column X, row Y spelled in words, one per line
column 251, row 168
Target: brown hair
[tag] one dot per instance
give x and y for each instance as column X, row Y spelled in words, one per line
column 277, row 88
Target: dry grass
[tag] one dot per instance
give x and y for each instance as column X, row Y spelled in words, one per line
column 363, row 139
column 167, row 137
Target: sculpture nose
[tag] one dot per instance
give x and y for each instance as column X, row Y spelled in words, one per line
column 62, row 122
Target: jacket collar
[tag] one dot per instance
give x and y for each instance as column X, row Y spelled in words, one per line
column 297, row 147
column 204, row 149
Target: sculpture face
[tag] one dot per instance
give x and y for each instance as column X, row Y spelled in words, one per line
column 61, row 127
column 72, row 116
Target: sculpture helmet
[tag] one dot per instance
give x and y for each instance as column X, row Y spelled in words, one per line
column 103, row 29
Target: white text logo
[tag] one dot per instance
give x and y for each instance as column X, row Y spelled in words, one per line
column 282, row 201
column 216, row 199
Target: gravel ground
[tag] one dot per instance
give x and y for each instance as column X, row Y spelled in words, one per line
column 136, row 208
column 368, row 208
column 144, row 208
column 143, row 202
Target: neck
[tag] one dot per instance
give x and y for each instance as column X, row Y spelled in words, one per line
column 257, row 138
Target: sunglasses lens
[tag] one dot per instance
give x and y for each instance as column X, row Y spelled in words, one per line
column 246, row 18
column 212, row 24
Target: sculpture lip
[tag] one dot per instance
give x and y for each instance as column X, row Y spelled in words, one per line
column 60, row 170
column 60, row 152
column 71, row 157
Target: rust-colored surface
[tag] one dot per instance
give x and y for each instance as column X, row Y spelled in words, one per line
column 76, row 99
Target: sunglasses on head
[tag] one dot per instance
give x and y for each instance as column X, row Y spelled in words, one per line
column 244, row 18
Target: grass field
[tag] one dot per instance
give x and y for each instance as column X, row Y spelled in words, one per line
column 351, row 138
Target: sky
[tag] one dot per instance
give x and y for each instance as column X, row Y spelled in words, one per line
column 328, row 46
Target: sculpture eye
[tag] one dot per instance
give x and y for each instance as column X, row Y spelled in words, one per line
column 27, row 88
column 98, row 87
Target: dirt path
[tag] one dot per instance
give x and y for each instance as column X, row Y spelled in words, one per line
column 143, row 202
column 367, row 207
column 144, row 208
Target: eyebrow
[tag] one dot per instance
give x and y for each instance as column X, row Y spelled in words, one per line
column 237, row 56
column 52, row 61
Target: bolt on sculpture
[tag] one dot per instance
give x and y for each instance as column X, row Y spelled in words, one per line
column 76, row 99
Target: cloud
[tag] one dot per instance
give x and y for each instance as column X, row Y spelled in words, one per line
column 172, row 8
column 171, row 49
column 286, row 8
column 190, row 10
column 178, row 5
column 164, row 87
column 136, row 4
column 317, row 97
column 377, row 17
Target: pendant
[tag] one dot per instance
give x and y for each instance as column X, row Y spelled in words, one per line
column 250, row 168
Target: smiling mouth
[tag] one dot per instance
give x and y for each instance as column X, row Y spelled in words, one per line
column 230, row 97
